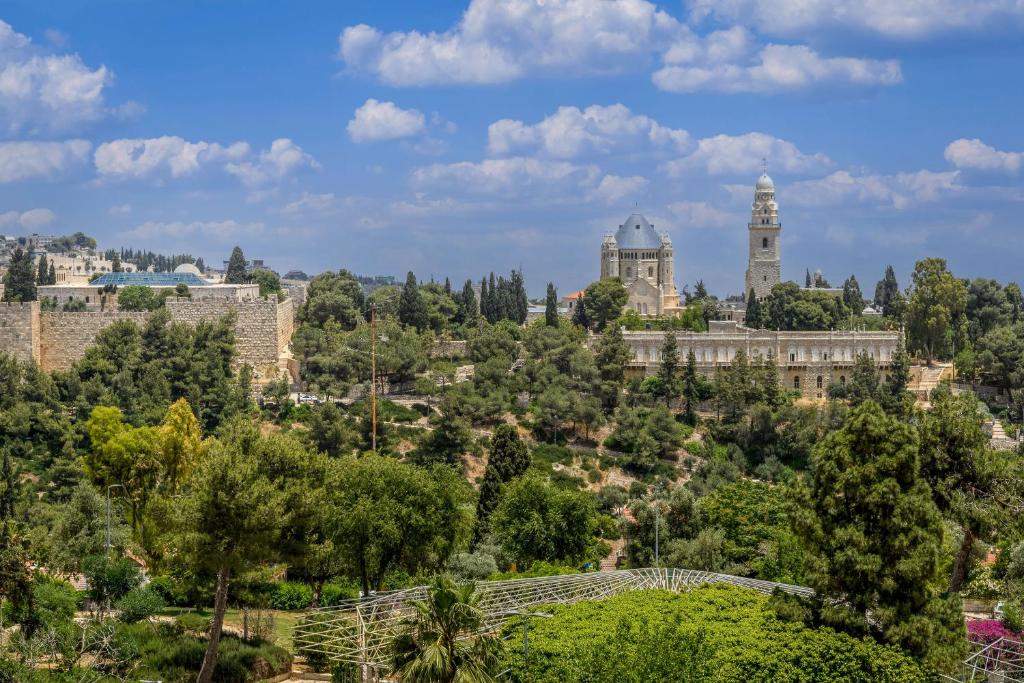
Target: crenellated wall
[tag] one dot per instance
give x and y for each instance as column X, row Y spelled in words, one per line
column 56, row 340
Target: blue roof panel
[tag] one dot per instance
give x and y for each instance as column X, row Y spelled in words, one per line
column 150, row 279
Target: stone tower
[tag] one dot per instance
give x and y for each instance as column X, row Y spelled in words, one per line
column 764, row 265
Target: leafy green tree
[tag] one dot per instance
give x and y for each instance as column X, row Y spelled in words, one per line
column 15, row 576
column 551, row 306
column 669, row 385
column 242, row 503
column 605, row 299
column 1001, row 357
column 508, row 459
column 20, row 279
column 412, row 310
column 874, row 536
column 536, row 521
column 937, row 304
column 237, row 271
column 864, row 380
column 446, row 640
column 110, row 578
column 80, row 530
column 386, row 514
column 579, row 313
column 138, row 298
column 334, row 296
column 447, row 442
column 894, row 396
column 754, row 318
column 268, row 281
column 790, row 308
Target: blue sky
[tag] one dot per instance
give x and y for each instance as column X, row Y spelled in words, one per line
column 458, row 138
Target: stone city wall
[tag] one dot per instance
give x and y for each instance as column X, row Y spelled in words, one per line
column 64, row 337
column 19, row 330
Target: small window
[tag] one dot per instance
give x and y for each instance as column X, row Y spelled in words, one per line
column 796, row 382
column 842, row 379
column 650, row 272
column 766, row 278
column 792, row 357
column 819, row 382
column 764, row 243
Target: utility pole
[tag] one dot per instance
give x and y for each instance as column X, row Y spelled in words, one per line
column 112, row 486
column 657, row 524
column 373, row 376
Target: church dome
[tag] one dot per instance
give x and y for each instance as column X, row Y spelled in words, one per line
column 187, row 268
column 637, row 233
column 765, row 182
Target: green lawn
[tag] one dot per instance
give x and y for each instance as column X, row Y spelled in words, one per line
column 283, row 621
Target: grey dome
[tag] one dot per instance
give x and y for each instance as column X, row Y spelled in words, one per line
column 637, row 233
column 765, row 182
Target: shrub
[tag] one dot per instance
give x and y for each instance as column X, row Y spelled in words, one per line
column 1013, row 618
column 550, row 453
column 169, row 590
column 138, row 604
column 193, row 622
column 333, row 593
column 291, row 595
column 55, row 600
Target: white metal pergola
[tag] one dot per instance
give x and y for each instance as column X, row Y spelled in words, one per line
column 360, row 631
column 1001, row 661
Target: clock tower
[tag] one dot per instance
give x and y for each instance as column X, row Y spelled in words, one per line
column 764, row 265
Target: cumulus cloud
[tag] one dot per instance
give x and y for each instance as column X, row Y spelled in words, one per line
column 975, row 154
column 41, row 92
column 613, row 189
column 120, row 210
column 743, row 153
column 376, row 121
column 899, row 191
column 914, row 19
column 703, row 215
column 219, row 230
column 570, row 132
column 33, row 219
column 498, row 41
column 513, row 177
column 282, row 159
column 732, row 65
column 145, row 157
column 24, row 160
column 503, row 40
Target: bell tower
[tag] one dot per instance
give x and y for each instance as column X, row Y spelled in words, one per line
column 764, row 264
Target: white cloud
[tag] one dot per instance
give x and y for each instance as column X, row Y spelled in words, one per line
column 899, row 191
column 502, row 40
column 376, row 121
column 903, row 19
column 219, row 230
column 975, row 154
column 120, row 210
column 703, row 215
column 613, row 189
column 570, row 132
column 23, row 160
column 33, row 219
column 743, row 154
column 517, row 176
column 41, row 92
column 730, row 61
column 282, row 159
column 145, row 157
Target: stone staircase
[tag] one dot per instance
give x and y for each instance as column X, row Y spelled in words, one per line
column 612, row 560
column 926, row 378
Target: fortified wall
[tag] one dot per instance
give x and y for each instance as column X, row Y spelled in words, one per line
column 56, row 340
column 807, row 361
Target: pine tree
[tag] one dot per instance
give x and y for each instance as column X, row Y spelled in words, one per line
column 887, row 293
column 42, row 273
column 412, row 310
column 611, row 355
column 668, row 371
column 20, row 278
column 852, row 296
column 551, row 307
column 691, row 388
column 895, row 398
column 509, row 459
column 51, row 276
column 755, row 312
column 700, row 291
column 237, row 273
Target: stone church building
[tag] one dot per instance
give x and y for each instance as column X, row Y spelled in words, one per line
column 764, row 263
column 642, row 259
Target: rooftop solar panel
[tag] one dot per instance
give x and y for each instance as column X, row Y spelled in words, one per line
column 150, row 279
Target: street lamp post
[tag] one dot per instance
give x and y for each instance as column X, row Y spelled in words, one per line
column 112, row 486
column 526, row 634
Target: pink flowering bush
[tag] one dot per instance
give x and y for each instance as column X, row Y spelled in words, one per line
column 990, row 630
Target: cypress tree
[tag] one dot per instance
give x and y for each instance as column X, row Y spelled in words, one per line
column 852, row 296
column 755, row 312
column 887, row 292
column 807, row 279
column 412, row 310
column 551, row 307
column 493, row 312
column 469, row 311
column 115, row 264
column 51, row 276
column 20, row 278
column 236, row 272
column 579, row 313
column 668, row 371
column 520, row 304
column 691, row 388
column 447, row 286
column 508, row 460
column 42, row 273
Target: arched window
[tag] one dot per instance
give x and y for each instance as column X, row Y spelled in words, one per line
column 764, row 242
column 842, row 379
column 796, row 382
column 819, row 381
column 629, row 272
column 650, row 271
column 766, row 211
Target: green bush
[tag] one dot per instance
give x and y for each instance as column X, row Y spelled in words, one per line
column 56, row 601
column 170, row 590
column 1013, row 616
column 334, row 593
column 549, row 453
column 193, row 622
column 138, row 604
column 291, row 595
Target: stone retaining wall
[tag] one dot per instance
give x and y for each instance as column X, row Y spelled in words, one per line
column 19, row 329
column 64, row 337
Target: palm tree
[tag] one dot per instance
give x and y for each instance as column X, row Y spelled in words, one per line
column 443, row 643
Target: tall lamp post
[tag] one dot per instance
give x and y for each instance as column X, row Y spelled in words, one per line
column 526, row 633
column 112, row 486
